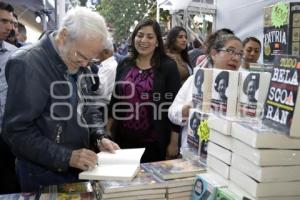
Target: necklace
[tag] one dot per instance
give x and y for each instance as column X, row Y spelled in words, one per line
column 142, row 65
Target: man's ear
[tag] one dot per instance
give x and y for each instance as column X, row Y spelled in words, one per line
column 62, row 35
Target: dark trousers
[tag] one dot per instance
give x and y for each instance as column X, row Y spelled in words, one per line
column 8, row 180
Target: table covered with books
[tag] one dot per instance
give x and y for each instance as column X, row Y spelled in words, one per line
column 158, row 180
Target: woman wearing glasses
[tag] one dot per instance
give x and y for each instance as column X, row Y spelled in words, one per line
column 223, row 51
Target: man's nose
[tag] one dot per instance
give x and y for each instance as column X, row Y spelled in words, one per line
column 84, row 63
column 8, row 26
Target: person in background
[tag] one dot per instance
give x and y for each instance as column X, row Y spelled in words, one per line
column 252, row 49
column 195, row 52
column 22, row 35
column 107, row 71
column 12, row 37
column 223, row 51
column 118, row 57
column 123, row 48
column 146, row 83
column 205, row 61
column 176, row 48
column 51, row 121
column 8, row 180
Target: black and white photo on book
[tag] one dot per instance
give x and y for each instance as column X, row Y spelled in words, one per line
column 252, row 93
column 219, row 91
column 202, row 84
column 198, row 132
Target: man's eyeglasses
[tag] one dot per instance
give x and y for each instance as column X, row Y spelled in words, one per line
column 8, row 21
column 233, row 52
column 82, row 58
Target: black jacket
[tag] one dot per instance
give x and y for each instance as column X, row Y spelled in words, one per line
column 38, row 122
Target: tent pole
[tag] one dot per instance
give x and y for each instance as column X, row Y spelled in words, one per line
column 61, row 11
column 157, row 12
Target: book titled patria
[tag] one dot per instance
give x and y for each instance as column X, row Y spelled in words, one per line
column 124, row 164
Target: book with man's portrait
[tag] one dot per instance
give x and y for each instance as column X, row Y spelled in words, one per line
column 194, row 140
column 224, row 92
column 252, row 93
column 202, row 84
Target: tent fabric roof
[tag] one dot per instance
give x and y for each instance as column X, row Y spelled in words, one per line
column 32, row 5
column 173, row 4
column 26, row 11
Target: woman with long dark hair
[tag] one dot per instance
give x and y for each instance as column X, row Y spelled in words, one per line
column 176, row 48
column 147, row 82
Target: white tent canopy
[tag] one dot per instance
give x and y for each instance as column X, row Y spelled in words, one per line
column 244, row 17
column 173, row 4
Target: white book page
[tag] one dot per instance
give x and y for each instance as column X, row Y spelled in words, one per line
column 121, row 156
column 111, row 171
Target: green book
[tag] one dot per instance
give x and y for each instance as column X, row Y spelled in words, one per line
column 226, row 194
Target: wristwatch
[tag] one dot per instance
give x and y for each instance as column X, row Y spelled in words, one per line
column 100, row 138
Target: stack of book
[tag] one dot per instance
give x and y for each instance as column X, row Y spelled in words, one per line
column 144, row 186
column 178, row 175
column 265, row 158
column 180, row 188
column 265, row 163
column 220, row 145
column 80, row 190
column 196, row 147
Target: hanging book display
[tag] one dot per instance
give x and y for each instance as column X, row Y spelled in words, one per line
column 282, row 106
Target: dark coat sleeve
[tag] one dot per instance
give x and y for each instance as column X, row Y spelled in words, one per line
column 171, row 79
column 26, row 100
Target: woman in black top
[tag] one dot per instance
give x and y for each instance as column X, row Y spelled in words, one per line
column 146, row 84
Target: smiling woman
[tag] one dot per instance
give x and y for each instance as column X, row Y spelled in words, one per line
column 146, row 84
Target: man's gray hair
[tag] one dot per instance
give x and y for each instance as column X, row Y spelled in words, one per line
column 109, row 44
column 83, row 23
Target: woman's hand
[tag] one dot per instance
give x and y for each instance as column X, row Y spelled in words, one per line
column 172, row 149
column 186, row 112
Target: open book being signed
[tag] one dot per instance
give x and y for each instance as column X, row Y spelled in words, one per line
column 121, row 165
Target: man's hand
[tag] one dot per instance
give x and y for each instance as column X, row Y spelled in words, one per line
column 83, row 159
column 107, row 145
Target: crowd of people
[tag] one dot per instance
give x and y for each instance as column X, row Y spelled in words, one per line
column 71, row 94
